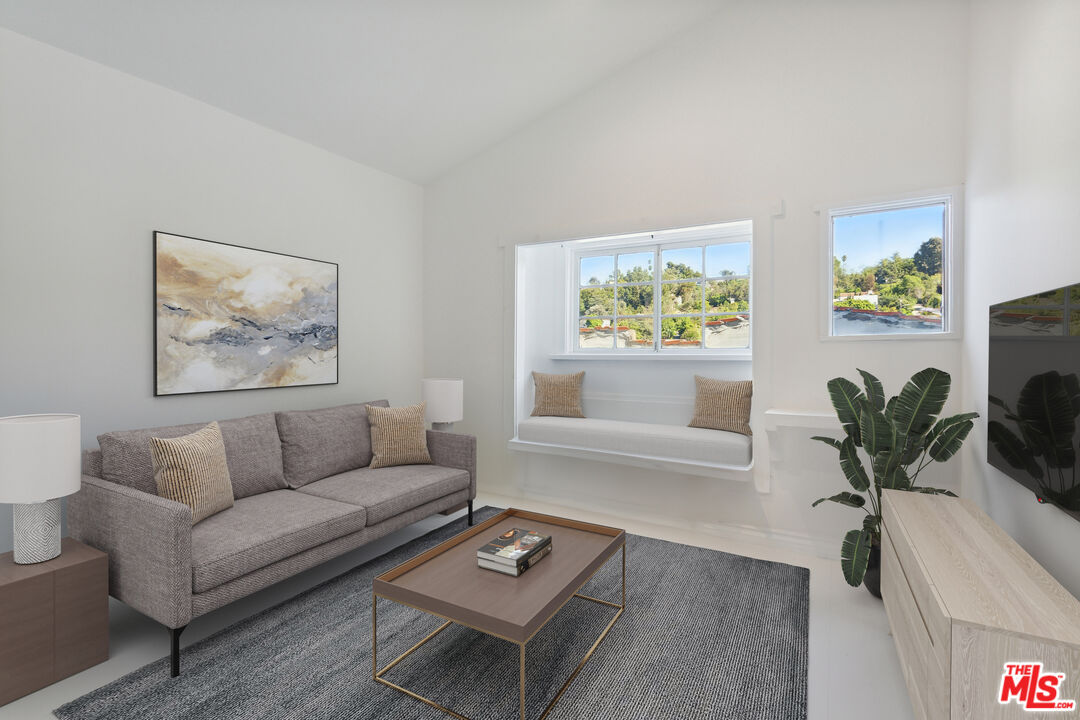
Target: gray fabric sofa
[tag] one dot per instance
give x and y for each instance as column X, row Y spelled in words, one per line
column 303, row 494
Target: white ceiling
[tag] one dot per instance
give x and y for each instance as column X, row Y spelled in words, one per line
column 412, row 87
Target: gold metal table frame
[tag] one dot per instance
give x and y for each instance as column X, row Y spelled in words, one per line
column 377, row 674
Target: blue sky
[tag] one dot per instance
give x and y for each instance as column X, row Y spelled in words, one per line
column 869, row 237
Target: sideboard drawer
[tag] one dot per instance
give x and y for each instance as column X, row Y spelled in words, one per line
column 908, row 629
column 929, row 604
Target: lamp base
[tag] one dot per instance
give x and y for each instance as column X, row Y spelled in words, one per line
column 37, row 531
column 442, row 427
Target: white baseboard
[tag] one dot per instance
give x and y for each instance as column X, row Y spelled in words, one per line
column 803, row 543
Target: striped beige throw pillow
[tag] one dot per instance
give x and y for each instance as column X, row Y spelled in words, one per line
column 722, row 405
column 558, row 395
column 191, row 469
column 398, row 436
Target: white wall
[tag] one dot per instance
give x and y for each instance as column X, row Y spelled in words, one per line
column 92, row 161
column 811, row 103
column 1022, row 222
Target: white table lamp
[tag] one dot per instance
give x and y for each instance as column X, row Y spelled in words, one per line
column 445, row 401
column 39, row 463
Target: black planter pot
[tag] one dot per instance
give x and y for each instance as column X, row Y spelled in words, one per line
column 872, row 578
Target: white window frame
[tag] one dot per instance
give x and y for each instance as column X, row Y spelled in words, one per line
column 951, row 259
column 704, row 236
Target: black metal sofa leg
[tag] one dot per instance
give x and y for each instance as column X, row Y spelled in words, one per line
column 174, row 636
column 470, row 513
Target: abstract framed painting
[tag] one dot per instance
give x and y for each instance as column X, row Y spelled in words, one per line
column 228, row 317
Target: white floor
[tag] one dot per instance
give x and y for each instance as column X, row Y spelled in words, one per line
column 853, row 671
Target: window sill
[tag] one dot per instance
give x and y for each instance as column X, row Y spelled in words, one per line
column 736, row 356
column 918, row 337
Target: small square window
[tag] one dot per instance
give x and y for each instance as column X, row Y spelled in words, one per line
column 890, row 272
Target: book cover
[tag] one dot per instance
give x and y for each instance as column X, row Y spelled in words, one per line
column 513, row 546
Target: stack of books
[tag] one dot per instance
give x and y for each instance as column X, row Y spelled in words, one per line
column 514, row 552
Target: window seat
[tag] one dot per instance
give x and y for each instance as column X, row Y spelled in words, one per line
column 694, row 451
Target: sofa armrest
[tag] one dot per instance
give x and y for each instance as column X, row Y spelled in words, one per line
column 456, row 451
column 148, row 540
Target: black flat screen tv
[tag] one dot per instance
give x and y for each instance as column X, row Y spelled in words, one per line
column 1034, row 415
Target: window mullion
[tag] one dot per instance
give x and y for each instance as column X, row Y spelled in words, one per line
column 657, row 341
column 704, row 274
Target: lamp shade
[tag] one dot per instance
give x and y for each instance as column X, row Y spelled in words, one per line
column 444, row 399
column 39, row 457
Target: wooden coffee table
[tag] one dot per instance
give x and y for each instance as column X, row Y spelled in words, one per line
column 445, row 581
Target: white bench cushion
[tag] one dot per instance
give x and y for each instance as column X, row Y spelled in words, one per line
column 686, row 444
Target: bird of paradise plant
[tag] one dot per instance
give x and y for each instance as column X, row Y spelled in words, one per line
column 901, row 436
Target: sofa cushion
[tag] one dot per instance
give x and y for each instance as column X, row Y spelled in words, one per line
column 252, row 451
column 192, row 469
column 387, row 492
column 398, row 436
column 319, row 443
column 263, row 529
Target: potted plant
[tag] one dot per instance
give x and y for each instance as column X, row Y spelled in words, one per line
column 901, row 436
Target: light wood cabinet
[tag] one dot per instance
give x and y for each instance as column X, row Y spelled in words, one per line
column 963, row 599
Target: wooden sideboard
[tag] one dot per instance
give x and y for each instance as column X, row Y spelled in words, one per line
column 964, row 599
column 54, row 618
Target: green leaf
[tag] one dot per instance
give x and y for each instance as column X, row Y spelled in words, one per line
column 948, row 422
column 878, row 434
column 889, row 473
column 872, row 523
column 849, row 499
column 1013, row 449
column 944, row 425
column 875, row 392
column 949, row 441
column 931, row 491
column 855, row 555
column 845, row 395
column 913, row 448
column 890, row 408
column 833, row 442
column 995, row 400
column 851, row 464
column 920, row 401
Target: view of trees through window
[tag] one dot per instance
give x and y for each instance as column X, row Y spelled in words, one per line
column 888, row 273
column 699, row 299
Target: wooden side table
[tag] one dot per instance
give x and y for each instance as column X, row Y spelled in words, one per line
column 54, row 618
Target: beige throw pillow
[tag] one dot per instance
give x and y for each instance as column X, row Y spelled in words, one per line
column 191, row 469
column 722, row 405
column 558, row 395
column 398, row 436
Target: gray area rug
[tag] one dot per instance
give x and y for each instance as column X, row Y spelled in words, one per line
column 706, row 634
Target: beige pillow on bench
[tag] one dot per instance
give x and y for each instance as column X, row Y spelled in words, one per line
column 722, row 405
column 557, row 395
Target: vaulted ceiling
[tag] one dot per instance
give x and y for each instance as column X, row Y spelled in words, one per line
column 411, row 87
